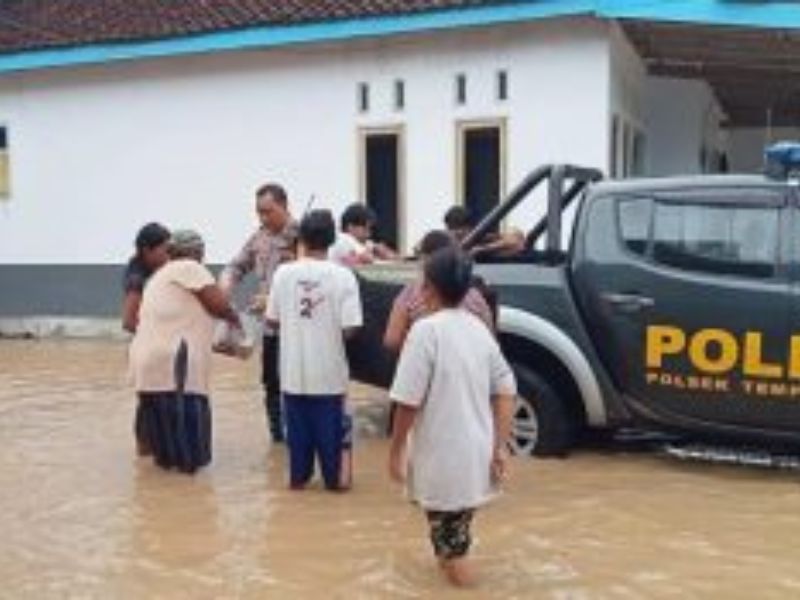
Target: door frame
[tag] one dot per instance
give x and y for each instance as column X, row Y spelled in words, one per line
column 462, row 126
column 399, row 130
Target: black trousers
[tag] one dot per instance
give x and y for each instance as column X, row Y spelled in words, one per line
column 178, row 429
column 270, row 378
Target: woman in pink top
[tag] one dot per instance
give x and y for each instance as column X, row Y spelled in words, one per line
column 409, row 306
column 170, row 355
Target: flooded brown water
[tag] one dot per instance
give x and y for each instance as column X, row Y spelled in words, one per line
column 80, row 517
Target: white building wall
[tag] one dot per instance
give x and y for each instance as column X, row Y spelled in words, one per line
column 96, row 152
column 747, row 146
column 682, row 118
column 627, row 100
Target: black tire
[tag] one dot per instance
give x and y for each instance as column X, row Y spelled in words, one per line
column 555, row 427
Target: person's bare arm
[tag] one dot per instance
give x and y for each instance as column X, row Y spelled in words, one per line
column 356, row 259
column 235, row 270
column 396, row 328
column 130, row 310
column 404, row 417
column 506, row 244
column 227, row 282
column 503, row 414
column 384, row 252
column 216, row 303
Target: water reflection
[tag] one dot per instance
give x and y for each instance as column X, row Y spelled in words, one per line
column 174, row 522
column 81, row 517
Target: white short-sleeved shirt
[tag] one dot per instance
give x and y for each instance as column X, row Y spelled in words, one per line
column 313, row 301
column 450, row 368
column 348, row 251
column 171, row 312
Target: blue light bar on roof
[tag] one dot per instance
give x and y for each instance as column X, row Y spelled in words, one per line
column 782, row 159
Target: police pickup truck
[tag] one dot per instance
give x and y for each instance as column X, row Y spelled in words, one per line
column 673, row 306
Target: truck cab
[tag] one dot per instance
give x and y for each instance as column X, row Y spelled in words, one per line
column 688, row 288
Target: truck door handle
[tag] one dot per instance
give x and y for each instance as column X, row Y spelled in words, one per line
column 629, row 302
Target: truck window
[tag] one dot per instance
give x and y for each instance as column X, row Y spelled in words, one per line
column 715, row 239
column 635, row 218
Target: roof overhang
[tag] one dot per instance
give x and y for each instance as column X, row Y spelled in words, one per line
column 767, row 14
column 754, row 72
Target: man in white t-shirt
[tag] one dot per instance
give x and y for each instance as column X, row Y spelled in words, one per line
column 354, row 245
column 455, row 390
column 315, row 304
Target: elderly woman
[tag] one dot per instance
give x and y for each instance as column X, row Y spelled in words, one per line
column 170, row 355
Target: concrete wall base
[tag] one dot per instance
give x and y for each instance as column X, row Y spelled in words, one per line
column 61, row 327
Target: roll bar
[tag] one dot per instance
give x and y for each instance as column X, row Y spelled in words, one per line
column 557, row 201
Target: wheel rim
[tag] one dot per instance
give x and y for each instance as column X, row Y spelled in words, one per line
column 525, row 430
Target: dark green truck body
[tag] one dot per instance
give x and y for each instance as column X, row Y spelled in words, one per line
column 672, row 304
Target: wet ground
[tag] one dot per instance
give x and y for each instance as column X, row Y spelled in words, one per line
column 80, row 517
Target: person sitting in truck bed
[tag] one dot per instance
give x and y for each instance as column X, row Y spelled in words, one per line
column 354, row 244
column 458, row 222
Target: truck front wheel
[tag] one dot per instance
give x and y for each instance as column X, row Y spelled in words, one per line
column 543, row 424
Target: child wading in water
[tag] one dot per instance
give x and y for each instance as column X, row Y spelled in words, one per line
column 456, row 391
column 315, row 303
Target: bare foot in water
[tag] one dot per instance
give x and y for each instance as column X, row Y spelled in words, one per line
column 459, row 571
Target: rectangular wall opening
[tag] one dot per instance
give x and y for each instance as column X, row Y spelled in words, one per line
column 481, row 160
column 381, row 182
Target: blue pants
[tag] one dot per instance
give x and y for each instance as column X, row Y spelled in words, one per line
column 315, row 426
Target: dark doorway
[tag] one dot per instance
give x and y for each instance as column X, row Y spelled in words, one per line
column 382, row 184
column 481, row 176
